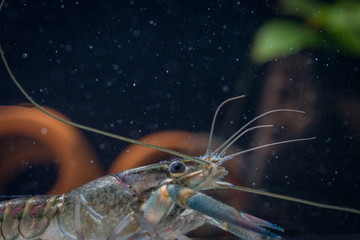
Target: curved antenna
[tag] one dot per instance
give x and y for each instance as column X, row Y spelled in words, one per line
column 208, row 149
column 251, row 121
column 1, row 4
column 227, row 185
column 222, row 153
column 224, row 159
column 90, row 129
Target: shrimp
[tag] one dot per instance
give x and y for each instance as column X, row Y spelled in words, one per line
column 158, row 201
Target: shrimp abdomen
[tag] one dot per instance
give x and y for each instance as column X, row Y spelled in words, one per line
column 27, row 217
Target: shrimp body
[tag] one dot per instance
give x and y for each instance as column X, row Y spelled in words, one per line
column 99, row 204
column 159, row 201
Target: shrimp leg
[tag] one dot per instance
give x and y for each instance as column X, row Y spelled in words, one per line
column 82, row 202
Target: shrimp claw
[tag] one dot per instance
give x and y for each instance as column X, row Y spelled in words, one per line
column 223, row 215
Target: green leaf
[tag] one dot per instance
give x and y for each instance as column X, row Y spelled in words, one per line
column 342, row 23
column 281, row 38
column 339, row 21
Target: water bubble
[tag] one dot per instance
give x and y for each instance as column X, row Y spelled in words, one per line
column 115, row 67
column 136, row 33
column 102, row 146
column 68, row 47
column 225, row 88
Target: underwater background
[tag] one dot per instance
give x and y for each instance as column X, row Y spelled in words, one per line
column 138, row 67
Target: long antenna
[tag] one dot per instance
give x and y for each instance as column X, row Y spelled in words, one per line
column 90, row 129
column 226, row 185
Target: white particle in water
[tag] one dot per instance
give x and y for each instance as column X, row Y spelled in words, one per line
column 115, row 67
column 225, row 88
column 136, row 33
column 68, row 47
column 44, row 130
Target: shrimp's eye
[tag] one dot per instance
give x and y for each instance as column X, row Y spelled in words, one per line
column 177, row 169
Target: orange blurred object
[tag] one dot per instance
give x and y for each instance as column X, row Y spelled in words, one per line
column 30, row 137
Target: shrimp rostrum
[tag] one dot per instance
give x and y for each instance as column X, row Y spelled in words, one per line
column 158, row 201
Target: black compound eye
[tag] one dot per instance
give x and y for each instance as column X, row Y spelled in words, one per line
column 177, row 168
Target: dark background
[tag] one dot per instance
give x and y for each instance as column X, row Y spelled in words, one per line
column 137, row 67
